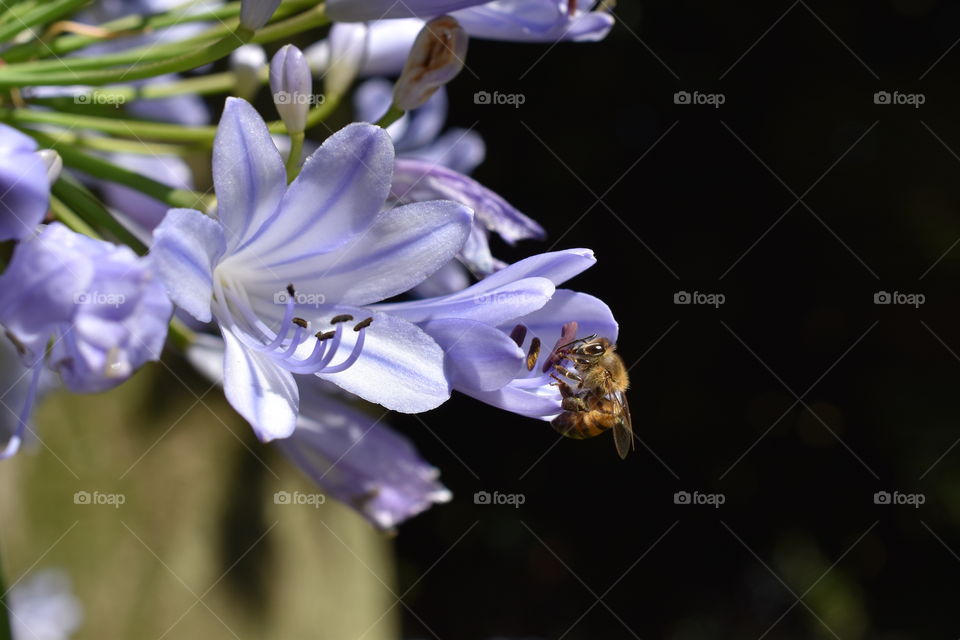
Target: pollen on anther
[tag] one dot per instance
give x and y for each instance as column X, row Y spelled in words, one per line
column 533, row 354
column 341, row 318
column 300, row 322
column 363, row 324
column 291, row 290
column 325, row 335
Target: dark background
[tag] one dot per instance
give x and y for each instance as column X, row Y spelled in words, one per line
column 713, row 386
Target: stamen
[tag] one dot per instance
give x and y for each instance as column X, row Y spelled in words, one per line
column 363, row 324
column 519, row 334
column 533, row 354
column 325, row 335
column 341, row 318
column 568, row 334
column 300, row 322
column 357, row 348
column 291, row 290
column 284, row 325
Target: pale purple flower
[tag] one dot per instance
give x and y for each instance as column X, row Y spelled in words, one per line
column 280, row 263
column 42, row 606
column 350, row 454
column 476, row 327
column 98, row 306
column 256, row 13
column 514, row 20
column 24, row 187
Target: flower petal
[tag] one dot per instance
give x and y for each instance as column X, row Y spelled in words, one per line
column 248, row 172
column 24, row 194
column 557, row 266
column 478, row 356
column 591, row 314
column 363, row 10
column 400, row 367
column 186, row 248
column 339, row 193
column 399, row 251
column 361, row 462
column 259, row 390
column 491, row 306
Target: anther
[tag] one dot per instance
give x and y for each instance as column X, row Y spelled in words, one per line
column 291, row 291
column 518, row 334
column 300, row 322
column 325, row 335
column 533, row 354
column 341, row 318
column 363, row 324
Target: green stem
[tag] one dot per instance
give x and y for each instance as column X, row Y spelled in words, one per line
column 181, row 335
column 6, row 633
column 136, row 24
column 116, row 126
column 100, row 168
column 69, row 217
column 390, row 116
column 184, row 62
column 42, row 14
column 296, row 151
column 120, row 145
column 93, row 213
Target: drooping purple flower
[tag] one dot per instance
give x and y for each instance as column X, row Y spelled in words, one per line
column 98, row 305
column 24, row 187
column 288, row 272
column 514, row 20
column 350, row 454
column 476, row 326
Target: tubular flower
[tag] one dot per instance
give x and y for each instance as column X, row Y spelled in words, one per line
column 24, row 186
column 288, row 272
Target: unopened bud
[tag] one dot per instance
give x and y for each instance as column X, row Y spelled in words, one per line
column 292, row 87
column 436, row 58
column 248, row 63
column 53, row 162
column 256, row 13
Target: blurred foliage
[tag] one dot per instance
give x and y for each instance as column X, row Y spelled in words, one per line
column 199, row 549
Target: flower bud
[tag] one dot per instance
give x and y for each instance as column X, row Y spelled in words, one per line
column 436, row 58
column 292, row 87
column 53, row 162
column 247, row 63
column 256, row 13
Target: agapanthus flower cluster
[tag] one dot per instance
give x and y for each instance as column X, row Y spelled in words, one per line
column 322, row 289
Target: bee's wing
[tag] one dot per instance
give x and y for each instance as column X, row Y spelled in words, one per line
column 623, row 429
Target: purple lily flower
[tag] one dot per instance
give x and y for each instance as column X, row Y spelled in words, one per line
column 99, row 303
column 513, row 20
column 349, row 454
column 476, row 328
column 288, row 272
column 24, row 187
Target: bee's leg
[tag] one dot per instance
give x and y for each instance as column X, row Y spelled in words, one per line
column 566, row 373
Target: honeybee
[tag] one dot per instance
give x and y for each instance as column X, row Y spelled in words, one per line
column 594, row 394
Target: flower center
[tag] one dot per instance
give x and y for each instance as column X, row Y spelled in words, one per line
column 288, row 345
